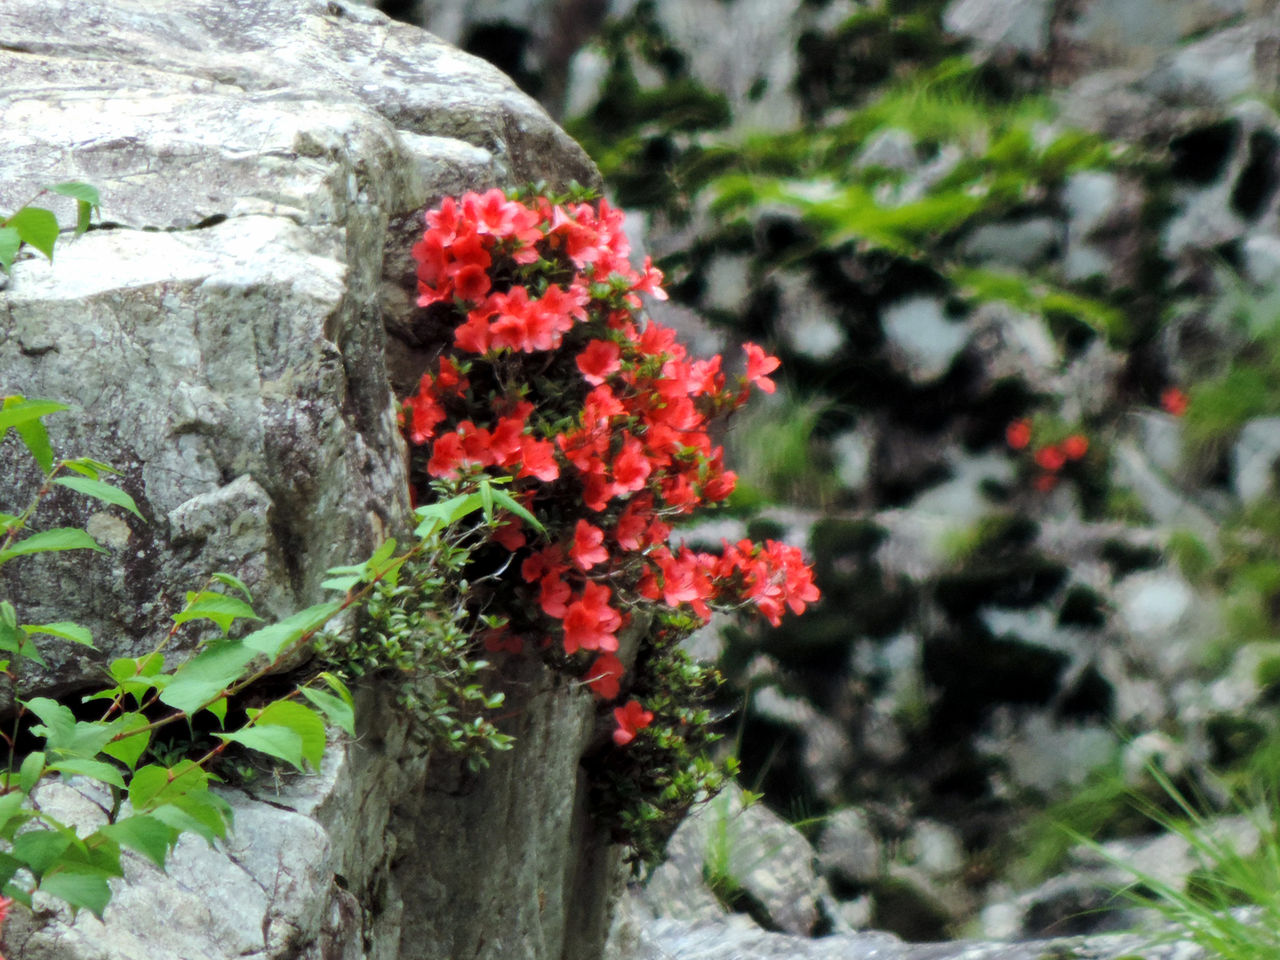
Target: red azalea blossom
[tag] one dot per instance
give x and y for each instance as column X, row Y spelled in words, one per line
column 630, row 719
column 1075, row 446
column 1018, row 434
column 606, row 462
column 1174, row 401
column 1050, row 458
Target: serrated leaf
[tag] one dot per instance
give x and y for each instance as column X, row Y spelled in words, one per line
column 199, row 812
column 82, row 887
column 338, row 713
column 37, row 227
column 100, row 491
column 58, row 723
column 200, row 680
column 304, row 722
column 40, row 849
column 30, row 772
column 273, row 640
column 63, row 629
column 84, row 767
column 222, row 609
column 47, row 541
column 144, row 833
column 235, row 583
column 279, row 742
column 36, row 439
column 10, row 241
column 337, row 686
column 79, row 191
column 128, row 750
column 126, row 668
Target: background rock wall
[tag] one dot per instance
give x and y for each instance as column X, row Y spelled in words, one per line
column 221, row 337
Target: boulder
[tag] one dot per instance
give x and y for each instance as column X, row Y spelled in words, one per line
column 220, row 338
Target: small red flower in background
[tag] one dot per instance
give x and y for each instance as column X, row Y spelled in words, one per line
column 1075, row 446
column 604, row 675
column 1174, row 401
column 631, row 719
column 759, row 364
column 1050, row 458
column 1046, row 482
column 1018, row 434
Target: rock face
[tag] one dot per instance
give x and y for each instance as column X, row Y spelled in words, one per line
column 221, row 339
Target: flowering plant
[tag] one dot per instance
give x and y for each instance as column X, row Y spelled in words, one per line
column 549, row 376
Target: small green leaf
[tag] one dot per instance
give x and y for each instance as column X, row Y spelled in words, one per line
column 78, row 191
column 235, row 583
column 339, row 713
column 343, row 583
column 61, row 538
column 222, row 609
column 96, row 769
column 18, row 410
column 302, row 721
column 144, row 833
column 40, row 849
column 64, row 630
column 512, row 505
column 30, row 772
column 200, row 680
column 126, row 668
column 275, row 639
column 36, row 439
column 279, row 742
column 36, row 226
column 10, row 241
column 100, row 491
column 82, row 887
column 128, row 750
column 88, row 467
column 154, row 785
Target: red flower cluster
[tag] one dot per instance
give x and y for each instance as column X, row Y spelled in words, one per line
column 600, row 419
column 1173, row 401
column 1051, row 457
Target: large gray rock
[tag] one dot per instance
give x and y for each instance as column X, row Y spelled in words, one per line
column 263, row 166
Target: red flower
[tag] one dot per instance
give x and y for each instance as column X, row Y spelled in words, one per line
column 1050, row 458
column 1174, row 401
column 599, row 360
column 630, row 719
column 603, row 676
column 1075, row 446
column 587, row 551
column 496, row 641
column 759, row 364
column 590, row 623
column 1018, row 434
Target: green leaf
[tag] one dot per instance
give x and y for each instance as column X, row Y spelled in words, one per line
column 302, row 721
column 275, row 639
column 279, row 742
column 10, row 241
column 200, row 680
column 235, row 583
column 63, row 629
column 96, row 769
column 337, row 686
column 486, row 500
column 154, row 785
column 11, row 809
column 343, row 583
column 36, row 226
column 36, row 439
column 78, row 191
column 126, row 668
column 15, row 640
column 199, row 812
column 30, row 772
column 512, row 505
column 435, row 516
column 61, row 538
column 218, row 607
column 145, row 834
column 338, row 713
column 82, row 887
column 58, row 725
column 100, row 491
column 128, row 750
column 88, row 467
column 18, row 410
column 40, row 849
